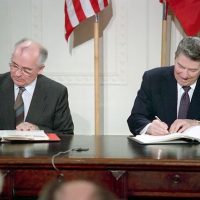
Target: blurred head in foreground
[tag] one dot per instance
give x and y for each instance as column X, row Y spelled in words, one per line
column 75, row 190
column 1, row 181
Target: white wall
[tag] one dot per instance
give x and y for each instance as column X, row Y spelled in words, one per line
column 131, row 44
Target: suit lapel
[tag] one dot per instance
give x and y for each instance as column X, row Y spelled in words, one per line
column 7, row 96
column 38, row 102
column 194, row 109
column 169, row 95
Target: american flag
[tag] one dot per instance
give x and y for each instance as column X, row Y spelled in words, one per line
column 78, row 10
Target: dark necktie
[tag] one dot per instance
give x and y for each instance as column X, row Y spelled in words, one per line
column 19, row 107
column 184, row 103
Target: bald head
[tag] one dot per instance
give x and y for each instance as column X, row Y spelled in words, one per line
column 75, row 190
column 27, row 62
column 29, row 47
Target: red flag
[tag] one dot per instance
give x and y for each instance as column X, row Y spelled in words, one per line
column 188, row 14
column 78, row 10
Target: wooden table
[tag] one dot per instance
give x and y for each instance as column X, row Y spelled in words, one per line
column 125, row 167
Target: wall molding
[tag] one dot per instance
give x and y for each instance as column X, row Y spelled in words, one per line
column 37, row 19
column 118, row 73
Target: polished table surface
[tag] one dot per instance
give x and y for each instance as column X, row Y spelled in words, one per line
column 110, row 149
column 114, row 147
column 139, row 170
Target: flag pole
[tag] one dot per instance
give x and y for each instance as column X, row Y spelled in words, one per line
column 97, row 75
column 165, row 36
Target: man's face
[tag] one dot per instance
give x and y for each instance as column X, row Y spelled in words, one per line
column 186, row 71
column 24, row 67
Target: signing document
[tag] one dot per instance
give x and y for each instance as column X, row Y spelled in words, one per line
column 190, row 135
column 14, row 135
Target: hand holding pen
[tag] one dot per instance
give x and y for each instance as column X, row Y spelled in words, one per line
column 158, row 118
column 158, row 127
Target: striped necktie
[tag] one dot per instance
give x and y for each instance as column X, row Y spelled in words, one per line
column 184, row 103
column 19, row 107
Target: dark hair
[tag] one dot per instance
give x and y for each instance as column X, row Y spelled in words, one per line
column 190, row 47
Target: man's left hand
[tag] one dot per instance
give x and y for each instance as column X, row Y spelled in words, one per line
column 180, row 125
column 26, row 126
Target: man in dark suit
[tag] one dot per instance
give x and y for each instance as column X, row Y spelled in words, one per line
column 45, row 102
column 157, row 105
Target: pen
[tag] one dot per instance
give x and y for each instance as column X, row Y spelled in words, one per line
column 157, row 118
column 160, row 121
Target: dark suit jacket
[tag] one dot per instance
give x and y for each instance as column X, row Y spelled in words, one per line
column 49, row 108
column 158, row 97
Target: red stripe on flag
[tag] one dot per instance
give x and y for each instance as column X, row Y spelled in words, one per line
column 105, row 2
column 79, row 10
column 95, row 6
column 68, row 26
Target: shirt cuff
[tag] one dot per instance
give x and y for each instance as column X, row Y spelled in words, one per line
column 144, row 130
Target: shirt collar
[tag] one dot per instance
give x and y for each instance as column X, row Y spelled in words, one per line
column 29, row 88
column 192, row 86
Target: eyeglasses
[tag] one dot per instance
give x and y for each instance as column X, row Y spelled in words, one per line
column 25, row 70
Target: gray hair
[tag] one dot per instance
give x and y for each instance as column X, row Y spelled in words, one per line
column 190, row 47
column 43, row 54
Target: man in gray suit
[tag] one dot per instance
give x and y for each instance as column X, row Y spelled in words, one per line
column 156, row 110
column 45, row 102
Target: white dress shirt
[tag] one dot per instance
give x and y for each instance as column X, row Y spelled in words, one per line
column 26, row 95
column 181, row 91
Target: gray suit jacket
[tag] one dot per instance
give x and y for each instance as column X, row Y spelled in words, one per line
column 158, row 97
column 49, row 108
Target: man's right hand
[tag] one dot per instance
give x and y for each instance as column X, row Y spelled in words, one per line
column 157, row 127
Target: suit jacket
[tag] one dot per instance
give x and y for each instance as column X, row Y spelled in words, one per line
column 158, row 97
column 49, row 108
